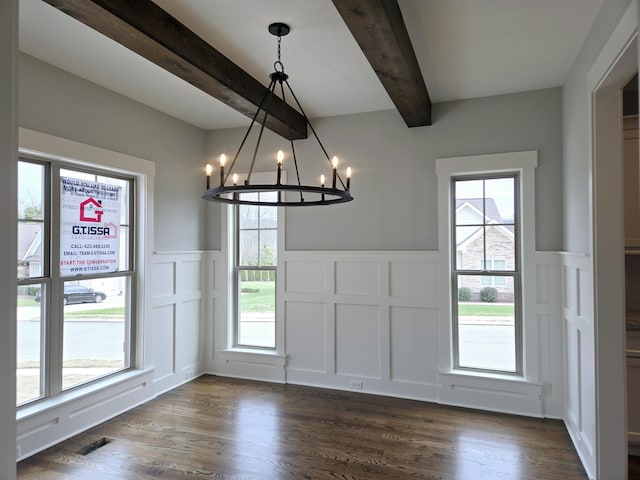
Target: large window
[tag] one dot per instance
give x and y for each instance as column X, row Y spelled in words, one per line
column 75, row 277
column 256, row 247
column 487, row 333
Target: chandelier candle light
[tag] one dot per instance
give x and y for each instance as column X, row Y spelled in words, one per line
column 290, row 195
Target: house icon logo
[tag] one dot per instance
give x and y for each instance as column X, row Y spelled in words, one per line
column 91, row 210
column 111, row 227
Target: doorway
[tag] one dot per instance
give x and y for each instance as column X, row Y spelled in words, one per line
column 616, row 65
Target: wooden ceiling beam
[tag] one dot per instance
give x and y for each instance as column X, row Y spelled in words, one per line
column 145, row 28
column 379, row 29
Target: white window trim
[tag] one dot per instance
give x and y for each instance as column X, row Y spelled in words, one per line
column 39, row 145
column 523, row 163
column 228, row 221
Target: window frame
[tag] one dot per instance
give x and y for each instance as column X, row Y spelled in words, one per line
column 525, row 163
column 238, row 268
column 483, row 272
column 492, row 280
column 52, row 313
column 43, row 281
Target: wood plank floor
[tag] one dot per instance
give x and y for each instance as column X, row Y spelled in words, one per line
column 634, row 467
column 218, row 428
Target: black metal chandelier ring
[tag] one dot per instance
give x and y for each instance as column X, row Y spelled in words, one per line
column 232, row 195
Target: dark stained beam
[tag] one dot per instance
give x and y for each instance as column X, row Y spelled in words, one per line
column 379, row 29
column 148, row 30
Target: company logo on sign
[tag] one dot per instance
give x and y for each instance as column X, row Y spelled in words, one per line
column 91, row 211
column 91, row 230
column 89, row 227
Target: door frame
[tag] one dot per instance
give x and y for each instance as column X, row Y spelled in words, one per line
column 614, row 66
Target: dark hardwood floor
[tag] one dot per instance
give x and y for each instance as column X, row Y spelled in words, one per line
column 634, row 467
column 218, row 428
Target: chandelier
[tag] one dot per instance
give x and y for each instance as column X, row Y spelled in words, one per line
column 231, row 190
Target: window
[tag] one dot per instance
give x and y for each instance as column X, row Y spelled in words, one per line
column 75, row 277
column 33, row 271
column 256, row 247
column 485, row 273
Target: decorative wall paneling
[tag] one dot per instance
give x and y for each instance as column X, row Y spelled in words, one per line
column 171, row 336
column 579, row 405
column 178, row 318
column 369, row 321
column 365, row 321
column 220, row 359
column 541, row 391
column 362, row 321
column 550, row 327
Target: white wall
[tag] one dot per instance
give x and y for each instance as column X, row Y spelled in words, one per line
column 8, row 149
column 592, row 340
column 576, row 117
column 360, row 294
column 373, row 318
column 579, row 356
column 394, row 181
column 177, row 319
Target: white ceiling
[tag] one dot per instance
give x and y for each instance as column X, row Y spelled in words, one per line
column 466, row 49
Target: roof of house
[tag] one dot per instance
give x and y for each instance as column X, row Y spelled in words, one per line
column 28, row 241
column 490, row 208
column 491, row 213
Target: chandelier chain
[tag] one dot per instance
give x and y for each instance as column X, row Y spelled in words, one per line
column 277, row 65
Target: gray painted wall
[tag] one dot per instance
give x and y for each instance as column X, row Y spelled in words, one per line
column 394, row 180
column 58, row 103
column 576, row 183
column 8, row 219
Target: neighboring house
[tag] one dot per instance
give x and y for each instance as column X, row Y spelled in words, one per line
column 470, row 246
column 29, row 252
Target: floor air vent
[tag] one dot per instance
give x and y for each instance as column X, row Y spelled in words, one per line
column 94, row 446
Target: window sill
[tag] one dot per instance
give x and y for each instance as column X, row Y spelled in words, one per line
column 41, row 406
column 253, row 351
column 253, row 356
column 511, row 378
column 492, row 375
column 486, row 391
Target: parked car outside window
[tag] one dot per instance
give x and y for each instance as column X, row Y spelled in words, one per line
column 79, row 294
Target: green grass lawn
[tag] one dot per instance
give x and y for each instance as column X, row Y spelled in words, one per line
column 258, row 297
column 27, row 302
column 487, row 309
column 102, row 312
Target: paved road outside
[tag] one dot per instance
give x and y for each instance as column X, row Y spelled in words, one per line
column 94, row 338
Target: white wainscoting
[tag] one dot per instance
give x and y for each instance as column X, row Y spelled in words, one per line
column 362, row 321
column 540, row 392
column 369, row 321
column 221, row 358
column 177, row 324
column 580, row 409
column 173, row 351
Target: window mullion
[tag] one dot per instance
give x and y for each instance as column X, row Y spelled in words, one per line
column 54, row 307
